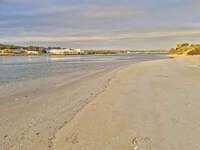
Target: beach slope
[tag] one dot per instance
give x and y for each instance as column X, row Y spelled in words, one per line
column 150, row 105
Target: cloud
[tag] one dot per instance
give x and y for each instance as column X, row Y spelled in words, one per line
column 25, row 1
column 109, row 13
column 89, row 21
column 154, row 35
column 65, row 19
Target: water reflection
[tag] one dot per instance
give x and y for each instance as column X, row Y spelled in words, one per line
column 21, row 68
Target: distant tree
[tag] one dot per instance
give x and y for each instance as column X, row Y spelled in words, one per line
column 178, row 45
column 194, row 52
column 185, row 45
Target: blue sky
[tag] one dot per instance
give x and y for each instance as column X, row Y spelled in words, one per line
column 100, row 24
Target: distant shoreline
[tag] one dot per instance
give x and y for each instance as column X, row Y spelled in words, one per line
column 94, row 53
column 13, row 50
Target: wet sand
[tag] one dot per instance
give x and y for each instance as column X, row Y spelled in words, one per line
column 31, row 122
column 147, row 106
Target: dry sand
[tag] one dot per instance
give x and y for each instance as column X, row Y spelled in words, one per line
column 147, row 106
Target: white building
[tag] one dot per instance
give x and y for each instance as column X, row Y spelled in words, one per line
column 32, row 52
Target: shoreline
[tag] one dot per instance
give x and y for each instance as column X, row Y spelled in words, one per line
column 110, row 117
column 2, row 55
column 36, row 119
column 31, row 117
column 148, row 105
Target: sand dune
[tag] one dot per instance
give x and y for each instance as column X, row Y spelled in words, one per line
column 147, row 106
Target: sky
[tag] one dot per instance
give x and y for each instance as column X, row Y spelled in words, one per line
column 100, row 24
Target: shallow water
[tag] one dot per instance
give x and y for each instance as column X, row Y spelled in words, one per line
column 22, row 68
column 19, row 73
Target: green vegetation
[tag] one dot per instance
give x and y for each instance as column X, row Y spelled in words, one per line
column 31, row 48
column 186, row 49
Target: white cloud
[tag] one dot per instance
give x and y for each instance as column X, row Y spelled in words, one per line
column 65, row 21
column 109, row 13
column 153, row 35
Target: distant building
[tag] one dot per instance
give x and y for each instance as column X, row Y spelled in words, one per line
column 79, row 51
column 68, row 50
column 47, row 51
column 32, row 52
column 64, row 51
column 51, row 51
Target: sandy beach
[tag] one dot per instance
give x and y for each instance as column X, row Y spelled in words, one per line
column 99, row 75
column 31, row 122
column 41, row 95
column 147, row 106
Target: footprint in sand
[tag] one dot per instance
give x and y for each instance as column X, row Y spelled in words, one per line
column 72, row 139
column 141, row 143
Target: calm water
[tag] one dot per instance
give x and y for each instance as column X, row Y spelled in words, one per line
column 22, row 68
column 22, row 77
